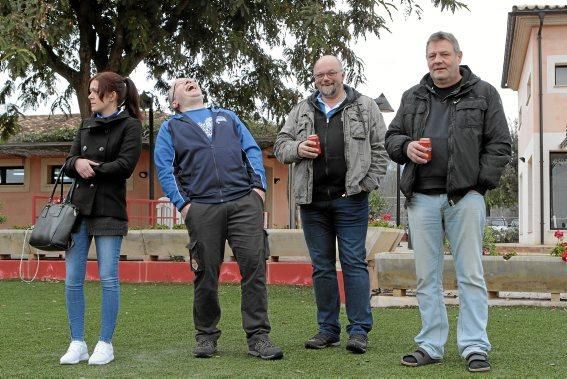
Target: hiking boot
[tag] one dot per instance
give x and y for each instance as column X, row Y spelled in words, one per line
column 265, row 349
column 322, row 340
column 76, row 353
column 205, row 348
column 103, row 353
column 357, row 343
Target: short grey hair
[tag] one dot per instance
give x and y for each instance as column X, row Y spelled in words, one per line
column 171, row 91
column 439, row 36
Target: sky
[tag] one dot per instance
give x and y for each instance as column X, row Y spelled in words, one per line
column 396, row 61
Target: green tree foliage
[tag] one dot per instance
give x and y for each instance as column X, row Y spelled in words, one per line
column 8, row 123
column 245, row 53
column 506, row 194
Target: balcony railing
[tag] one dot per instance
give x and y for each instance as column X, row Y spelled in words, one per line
column 142, row 213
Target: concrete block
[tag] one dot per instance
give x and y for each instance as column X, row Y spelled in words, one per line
column 518, row 274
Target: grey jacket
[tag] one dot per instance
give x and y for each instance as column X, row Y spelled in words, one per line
column 365, row 156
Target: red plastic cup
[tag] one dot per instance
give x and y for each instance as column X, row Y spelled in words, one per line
column 426, row 142
column 315, row 138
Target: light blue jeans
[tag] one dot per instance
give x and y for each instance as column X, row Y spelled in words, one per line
column 108, row 254
column 430, row 219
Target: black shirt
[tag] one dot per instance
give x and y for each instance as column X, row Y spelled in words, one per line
column 431, row 178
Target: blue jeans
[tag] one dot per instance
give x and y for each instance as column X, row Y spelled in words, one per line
column 324, row 222
column 430, row 219
column 108, row 253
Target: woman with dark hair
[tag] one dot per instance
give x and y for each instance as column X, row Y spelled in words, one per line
column 104, row 154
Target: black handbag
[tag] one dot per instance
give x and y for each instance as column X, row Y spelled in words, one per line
column 53, row 227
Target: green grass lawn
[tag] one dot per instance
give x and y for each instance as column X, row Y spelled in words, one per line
column 154, row 337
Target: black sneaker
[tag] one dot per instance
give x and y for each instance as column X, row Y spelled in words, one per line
column 321, row 341
column 357, row 343
column 265, row 349
column 205, row 348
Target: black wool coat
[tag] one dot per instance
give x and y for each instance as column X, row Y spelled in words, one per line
column 116, row 143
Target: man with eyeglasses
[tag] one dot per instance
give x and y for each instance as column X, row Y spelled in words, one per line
column 211, row 168
column 331, row 185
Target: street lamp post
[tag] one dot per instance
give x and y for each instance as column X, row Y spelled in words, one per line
column 147, row 102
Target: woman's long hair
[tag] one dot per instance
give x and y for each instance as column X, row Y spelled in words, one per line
column 125, row 88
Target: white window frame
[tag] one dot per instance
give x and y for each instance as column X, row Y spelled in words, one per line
column 25, row 187
column 552, row 62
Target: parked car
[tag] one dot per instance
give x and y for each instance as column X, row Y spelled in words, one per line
column 515, row 223
column 497, row 223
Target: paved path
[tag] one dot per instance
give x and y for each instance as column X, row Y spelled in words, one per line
column 505, row 299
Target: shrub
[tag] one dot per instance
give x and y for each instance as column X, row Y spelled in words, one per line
column 489, row 242
column 509, row 235
column 22, row 227
column 385, row 221
column 377, row 204
column 509, row 255
column 2, row 217
column 560, row 247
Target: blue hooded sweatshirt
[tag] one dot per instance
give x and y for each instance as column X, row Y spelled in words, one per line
column 193, row 167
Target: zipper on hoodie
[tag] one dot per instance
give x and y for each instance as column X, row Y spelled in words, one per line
column 213, row 152
column 326, row 155
column 217, row 172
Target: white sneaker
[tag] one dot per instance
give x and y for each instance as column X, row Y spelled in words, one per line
column 76, row 353
column 103, row 353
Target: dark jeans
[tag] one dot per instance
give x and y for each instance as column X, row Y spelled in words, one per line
column 210, row 225
column 344, row 219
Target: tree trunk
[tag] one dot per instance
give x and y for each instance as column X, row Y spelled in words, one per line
column 84, row 105
column 81, row 86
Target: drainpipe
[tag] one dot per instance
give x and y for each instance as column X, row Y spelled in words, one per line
column 541, row 15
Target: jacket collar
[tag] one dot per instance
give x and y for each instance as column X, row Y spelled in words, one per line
column 179, row 116
column 96, row 122
column 351, row 96
column 467, row 81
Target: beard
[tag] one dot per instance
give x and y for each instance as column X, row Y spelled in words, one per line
column 329, row 90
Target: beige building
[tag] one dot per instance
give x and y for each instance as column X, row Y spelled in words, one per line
column 535, row 65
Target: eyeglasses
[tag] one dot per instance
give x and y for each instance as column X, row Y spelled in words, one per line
column 330, row 74
column 175, row 86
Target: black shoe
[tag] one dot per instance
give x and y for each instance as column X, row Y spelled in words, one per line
column 478, row 362
column 265, row 349
column 205, row 348
column 321, row 341
column 357, row 343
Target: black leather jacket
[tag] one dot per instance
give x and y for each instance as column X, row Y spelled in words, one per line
column 479, row 140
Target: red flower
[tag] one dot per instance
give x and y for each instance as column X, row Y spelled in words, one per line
column 564, row 256
column 387, row 217
column 558, row 234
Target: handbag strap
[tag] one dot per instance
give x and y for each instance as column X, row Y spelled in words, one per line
column 59, row 182
column 55, row 186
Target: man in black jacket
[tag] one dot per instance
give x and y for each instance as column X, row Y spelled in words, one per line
column 470, row 145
